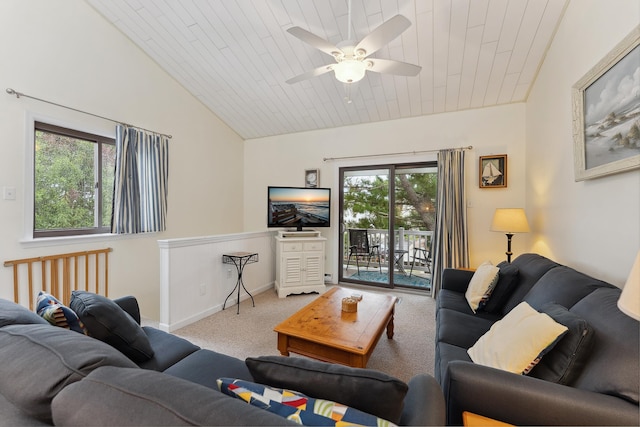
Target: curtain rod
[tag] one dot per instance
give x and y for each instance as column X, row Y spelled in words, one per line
column 326, row 159
column 19, row 94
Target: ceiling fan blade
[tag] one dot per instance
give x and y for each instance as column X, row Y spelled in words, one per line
column 388, row 66
column 309, row 74
column 315, row 41
column 382, row 35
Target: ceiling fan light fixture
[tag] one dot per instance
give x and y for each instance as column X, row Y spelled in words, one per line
column 350, row 70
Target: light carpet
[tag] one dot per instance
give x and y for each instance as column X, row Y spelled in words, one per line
column 250, row 333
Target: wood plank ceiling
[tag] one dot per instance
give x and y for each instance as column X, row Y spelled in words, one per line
column 235, row 56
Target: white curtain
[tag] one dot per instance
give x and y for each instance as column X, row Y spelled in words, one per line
column 450, row 247
column 141, row 177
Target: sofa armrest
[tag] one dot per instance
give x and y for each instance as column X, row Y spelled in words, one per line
column 456, row 280
column 424, row 403
column 130, row 305
column 523, row 400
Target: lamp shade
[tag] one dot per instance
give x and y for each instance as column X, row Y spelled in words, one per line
column 510, row 220
column 629, row 302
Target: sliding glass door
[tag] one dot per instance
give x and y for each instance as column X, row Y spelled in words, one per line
column 365, row 201
column 387, row 216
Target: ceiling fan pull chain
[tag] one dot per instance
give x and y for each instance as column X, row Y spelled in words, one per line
column 347, row 97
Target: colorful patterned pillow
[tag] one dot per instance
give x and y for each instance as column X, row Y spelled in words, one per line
column 296, row 406
column 56, row 313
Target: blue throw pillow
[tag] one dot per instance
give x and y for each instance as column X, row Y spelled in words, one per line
column 567, row 359
column 108, row 322
column 367, row 390
column 507, row 282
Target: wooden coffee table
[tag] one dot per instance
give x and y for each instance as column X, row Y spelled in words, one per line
column 321, row 330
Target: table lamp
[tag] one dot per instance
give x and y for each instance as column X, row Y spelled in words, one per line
column 510, row 220
column 629, row 302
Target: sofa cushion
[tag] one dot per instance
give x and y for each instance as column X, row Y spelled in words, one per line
column 518, row 341
column 168, row 349
column 481, row 285
column 565, row 361
column 204, row 367
column 106, row 321
column 140, row 397
column 452, row 300
column 295, row 406
column 129, row 304
column 456, row 280
column 531, row 267
column 613, row 360
column 507, row 282
column 53, row 311
column 14, row 417
column 15, row 314
column 461, row 329
column 41, row 360
column 564, row 286
column 369, row 391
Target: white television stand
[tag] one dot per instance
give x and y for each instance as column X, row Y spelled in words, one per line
column 298, row 234
column 299, row 262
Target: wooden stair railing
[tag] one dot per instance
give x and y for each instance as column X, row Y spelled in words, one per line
column 62, row 273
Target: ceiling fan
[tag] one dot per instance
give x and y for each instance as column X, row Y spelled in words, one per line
column 352, row 59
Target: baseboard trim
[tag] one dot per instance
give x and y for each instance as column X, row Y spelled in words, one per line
column 212, row 310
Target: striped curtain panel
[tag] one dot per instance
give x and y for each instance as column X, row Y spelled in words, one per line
column 141, row 177
column 451, row 248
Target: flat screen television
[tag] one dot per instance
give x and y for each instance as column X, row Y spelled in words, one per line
column 298, row 207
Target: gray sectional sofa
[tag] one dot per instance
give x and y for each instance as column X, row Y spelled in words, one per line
column 590, row 377
column 125, row 374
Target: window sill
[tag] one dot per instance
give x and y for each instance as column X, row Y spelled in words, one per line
column 30, row 242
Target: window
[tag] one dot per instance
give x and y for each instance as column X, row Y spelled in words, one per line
column 73, row 182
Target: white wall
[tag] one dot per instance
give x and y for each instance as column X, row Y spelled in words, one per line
column 194, row 283
column 591, row 225
column 281, row 160
column 65, row 52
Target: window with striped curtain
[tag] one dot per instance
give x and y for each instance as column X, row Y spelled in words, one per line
column 140, row 182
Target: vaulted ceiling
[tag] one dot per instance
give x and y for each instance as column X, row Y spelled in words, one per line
column 235, row 56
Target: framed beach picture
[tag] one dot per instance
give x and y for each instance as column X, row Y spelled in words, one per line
column 312, row 178
column 606, row 113
column 493, row 171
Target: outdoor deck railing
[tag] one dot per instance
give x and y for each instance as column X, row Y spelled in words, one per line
column 404, row 239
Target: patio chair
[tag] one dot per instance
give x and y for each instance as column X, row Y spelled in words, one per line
column 422, row 255
column 359, row 246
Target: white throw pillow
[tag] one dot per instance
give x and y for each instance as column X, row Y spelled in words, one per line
column 482, row 283
column 518, row 341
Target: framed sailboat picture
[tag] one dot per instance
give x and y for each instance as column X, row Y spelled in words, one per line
column 493, row 171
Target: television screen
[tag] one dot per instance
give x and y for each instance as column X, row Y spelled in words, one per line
column 299, row 207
